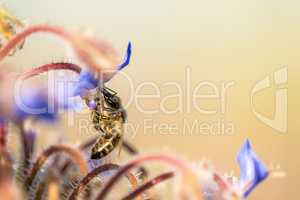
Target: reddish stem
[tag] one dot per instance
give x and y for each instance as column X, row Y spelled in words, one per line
column 3, row 135
column 50, row 67
column 95, row 172
column 149, row 184
column 221, row 183
column 44, row 156
column 18, row 38
column 87, row 144
column 5, row 158
column 187, row 173
column 99, row 57
column 133, row 151
column 25, row 151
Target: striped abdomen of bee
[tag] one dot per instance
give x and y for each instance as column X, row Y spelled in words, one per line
column 108, row 118
column 104, row 146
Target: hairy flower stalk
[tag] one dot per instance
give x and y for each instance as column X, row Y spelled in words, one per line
column 100, row 57
column 26, row 153
column 133, row 151
column 188, row 175
column 40, row 190
column 44, row 186
column 5, row 159
column 44, row 156
column 95, row 172
column 125, row 144
column 83, row 146
column 49, row 67
column 149, row 184
column 3, row 135
column 8, row 190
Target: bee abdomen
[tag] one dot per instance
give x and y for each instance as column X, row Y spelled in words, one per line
column 103, row 146
column 95, row 116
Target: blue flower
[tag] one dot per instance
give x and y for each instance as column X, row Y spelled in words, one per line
column 87, row 80
column 127, row 57
column 34, row 103
column 252, row 169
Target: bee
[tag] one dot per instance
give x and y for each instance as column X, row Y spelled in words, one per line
column 9, row 26
column 108, row 117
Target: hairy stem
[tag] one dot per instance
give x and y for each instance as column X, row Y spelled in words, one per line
column 83, row 146
column 18, row 38
column 48, row 67
column 44, row 156
column 149, row 184
column 26, row 150
column 5, row 158
column 95, row 172
column 87, row 144
column 89, row 177
column 133, row 151
column 188, row 175
column 50, row 178
column 3, row 135
column 98, row 56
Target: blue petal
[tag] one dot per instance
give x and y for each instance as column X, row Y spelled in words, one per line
column 127, row 57
column 62, row 97
column 86, row 82
column 252, row 169
column 34, row 104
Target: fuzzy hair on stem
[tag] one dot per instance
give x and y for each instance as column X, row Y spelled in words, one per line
column 94, row 173
column 188, row 175
column 99, row 56
column 149, row 184
column 50, row 67
column 44, row 156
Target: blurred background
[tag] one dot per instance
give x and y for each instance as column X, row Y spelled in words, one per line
column 194, row 62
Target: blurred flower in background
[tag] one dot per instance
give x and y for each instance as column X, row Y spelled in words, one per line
column 253, row 170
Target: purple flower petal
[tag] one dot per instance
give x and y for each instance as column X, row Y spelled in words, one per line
column 252, row 169
column 127, row 57
column 86, row 82
column 34, row 103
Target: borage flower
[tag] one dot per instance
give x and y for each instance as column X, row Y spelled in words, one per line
column 88, row 80
column 33, row 103
column 252, row 169
column 99, row 56
column 216, row 186
column 19, row 102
